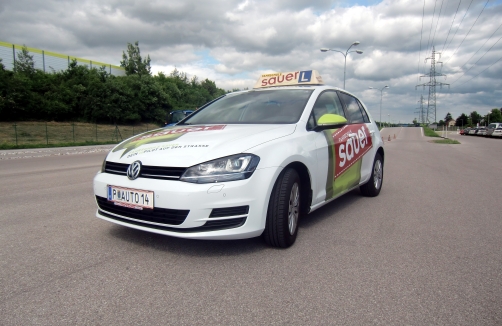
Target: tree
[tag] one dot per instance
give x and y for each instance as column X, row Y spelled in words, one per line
column 133, row 63
column 24, row 62
column 495, row 115
column 441, row 123
column 475, row 117
column 415, row 121
column 448, row 117
column 461, row 120
column 5, row 77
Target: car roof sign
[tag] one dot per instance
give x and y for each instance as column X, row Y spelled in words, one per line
column 294, row 78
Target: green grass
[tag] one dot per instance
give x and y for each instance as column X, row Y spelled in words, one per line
column 446, row 141
column 36, row 134
column 430, row 133
column 24, row 146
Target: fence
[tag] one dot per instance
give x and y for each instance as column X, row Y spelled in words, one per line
column 49, row 61
column 47, row 133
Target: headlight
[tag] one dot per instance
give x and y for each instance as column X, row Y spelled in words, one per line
column 230, row 168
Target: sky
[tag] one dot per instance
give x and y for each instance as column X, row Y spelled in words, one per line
column 234, row 42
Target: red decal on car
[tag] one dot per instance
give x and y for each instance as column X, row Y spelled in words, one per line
column 351, row 143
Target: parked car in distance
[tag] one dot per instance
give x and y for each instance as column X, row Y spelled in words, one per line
column 491, row 127
column 462, row 131
column 497, row 132
column 481, row 131
column 473, row 131
column 176, row 116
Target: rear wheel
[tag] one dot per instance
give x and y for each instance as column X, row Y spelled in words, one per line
column 374, row 185
column 283, row 212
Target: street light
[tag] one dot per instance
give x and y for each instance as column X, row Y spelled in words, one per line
column 381, row 95
column 345, row 55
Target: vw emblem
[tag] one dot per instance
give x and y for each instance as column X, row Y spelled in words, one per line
column 133, row 170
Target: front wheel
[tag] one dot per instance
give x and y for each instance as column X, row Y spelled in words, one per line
column 374, row 185
column 283, row 212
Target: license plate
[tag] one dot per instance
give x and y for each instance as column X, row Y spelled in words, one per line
column 131, row 198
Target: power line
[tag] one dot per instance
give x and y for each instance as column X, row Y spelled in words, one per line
column 430, row 32
column 465, row 14
column 477, row 52
column 420, row 51
column 477, row 61
column 468, row 32
column 439, row 19
column 481, row 72
column 455, row 16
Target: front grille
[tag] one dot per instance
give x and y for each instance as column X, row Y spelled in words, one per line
column 116, row 168
column 155, row 215
column 147, row 171
column 209, row 226
column 229, row 211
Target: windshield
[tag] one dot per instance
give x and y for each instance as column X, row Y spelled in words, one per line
column 278, row 106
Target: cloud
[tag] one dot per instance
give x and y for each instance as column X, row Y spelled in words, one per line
column 233, row 41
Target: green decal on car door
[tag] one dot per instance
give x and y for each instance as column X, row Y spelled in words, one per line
column 346, row 147
column 331, row 163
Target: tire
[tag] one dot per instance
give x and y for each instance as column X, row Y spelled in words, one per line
column 283, row 212
column 374, row 185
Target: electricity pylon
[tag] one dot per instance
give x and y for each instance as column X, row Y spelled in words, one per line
column 432, row 83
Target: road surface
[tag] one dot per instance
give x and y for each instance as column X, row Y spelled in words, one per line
column 427, row 251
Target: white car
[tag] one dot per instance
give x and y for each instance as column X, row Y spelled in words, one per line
column 481, row 131
column 247, row 164
column 497, row 132
column 492, row 127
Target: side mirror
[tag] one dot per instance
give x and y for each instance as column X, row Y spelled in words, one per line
column 330, row 121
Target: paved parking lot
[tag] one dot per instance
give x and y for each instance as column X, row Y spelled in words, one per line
column 425, row 252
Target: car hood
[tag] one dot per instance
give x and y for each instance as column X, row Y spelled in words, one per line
column 184, row 146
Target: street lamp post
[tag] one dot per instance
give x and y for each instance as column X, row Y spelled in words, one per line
column 345, row 55
column 381, row 95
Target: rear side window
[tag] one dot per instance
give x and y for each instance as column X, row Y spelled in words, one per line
column 365, row 114
column 353, row 110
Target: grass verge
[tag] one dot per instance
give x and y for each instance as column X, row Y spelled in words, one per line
column 430, row 133
column 39, row 134
column 446, row 141
column 25, row 146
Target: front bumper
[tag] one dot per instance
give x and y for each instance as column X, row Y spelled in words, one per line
column 201, row 200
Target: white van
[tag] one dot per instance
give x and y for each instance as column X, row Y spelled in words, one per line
column 491, row 127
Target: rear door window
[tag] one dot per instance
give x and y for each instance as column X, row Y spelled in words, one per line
column 365, row 114
column 354, row 112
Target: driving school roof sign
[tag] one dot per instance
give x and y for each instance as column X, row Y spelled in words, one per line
column 307, row 77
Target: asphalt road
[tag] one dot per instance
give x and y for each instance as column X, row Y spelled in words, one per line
column 427, row 251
